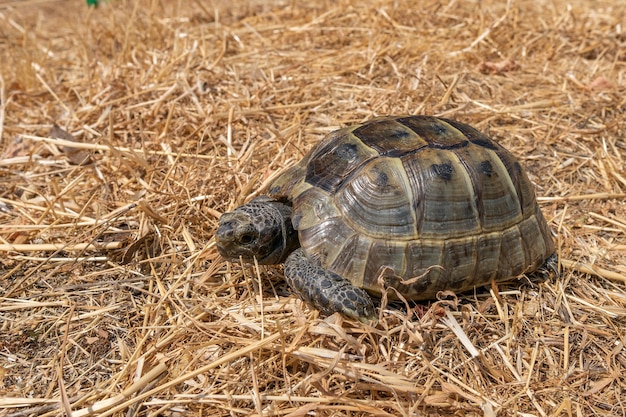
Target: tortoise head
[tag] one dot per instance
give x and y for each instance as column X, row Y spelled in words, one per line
column 261, row 229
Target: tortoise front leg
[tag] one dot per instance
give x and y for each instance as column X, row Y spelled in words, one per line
column 325, row 290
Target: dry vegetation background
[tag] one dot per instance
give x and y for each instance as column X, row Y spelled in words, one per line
column 113, row 298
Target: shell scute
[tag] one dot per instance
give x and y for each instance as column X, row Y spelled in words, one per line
column 497, row 200
column 444, row 199
column 398, row 138
column 512, row 257
column 335, row 161
column 351, row 259
column 378, row 201
column 385, row 255
column 533, row 250
column 474, row 136
column 327, row 240
column 437, row 133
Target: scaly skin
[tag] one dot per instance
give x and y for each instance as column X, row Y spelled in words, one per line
column 325, row 290
column 260, row 229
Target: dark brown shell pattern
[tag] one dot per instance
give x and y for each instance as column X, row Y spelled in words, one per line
column 397, row 196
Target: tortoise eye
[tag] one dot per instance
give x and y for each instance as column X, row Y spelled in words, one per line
column 246, row 239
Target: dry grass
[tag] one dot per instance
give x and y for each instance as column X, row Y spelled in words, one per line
column 114, row 300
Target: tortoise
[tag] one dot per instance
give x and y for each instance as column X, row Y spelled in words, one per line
column 418, row 204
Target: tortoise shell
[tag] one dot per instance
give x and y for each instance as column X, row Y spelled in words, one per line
column 424, row 199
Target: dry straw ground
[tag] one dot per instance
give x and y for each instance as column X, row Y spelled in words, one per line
column 113, row 298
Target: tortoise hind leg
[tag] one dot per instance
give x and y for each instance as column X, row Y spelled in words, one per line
column 325, row 290
column 550, row 267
